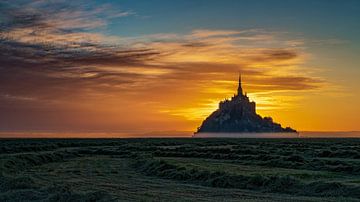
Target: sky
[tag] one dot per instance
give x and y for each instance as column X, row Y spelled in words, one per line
column 155, row 66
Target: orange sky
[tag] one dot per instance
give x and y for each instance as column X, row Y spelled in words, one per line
column 176, row 88
column 87, row 80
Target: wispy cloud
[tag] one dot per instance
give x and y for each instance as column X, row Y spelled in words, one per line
column 203, row 33
column 49, row 45
column 56, row 53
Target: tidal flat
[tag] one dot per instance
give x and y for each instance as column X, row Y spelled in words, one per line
column 187, row 169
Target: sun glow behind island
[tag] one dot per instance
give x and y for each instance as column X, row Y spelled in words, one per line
column 73, row 70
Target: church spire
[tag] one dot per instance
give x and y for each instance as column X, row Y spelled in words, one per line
column 240, row 90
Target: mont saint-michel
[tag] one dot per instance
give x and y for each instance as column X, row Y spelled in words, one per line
column 238, row 115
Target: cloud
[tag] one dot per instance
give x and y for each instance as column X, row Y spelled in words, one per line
column 279, row 54
column 46, row 46
column 274, row 83
column 56, row 57
column 203, row 33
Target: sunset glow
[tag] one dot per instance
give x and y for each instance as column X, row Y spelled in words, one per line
column 120, row 67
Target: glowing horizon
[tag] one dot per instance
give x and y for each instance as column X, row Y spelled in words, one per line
column 135, row 67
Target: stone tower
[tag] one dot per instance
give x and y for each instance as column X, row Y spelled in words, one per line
column 240, row 90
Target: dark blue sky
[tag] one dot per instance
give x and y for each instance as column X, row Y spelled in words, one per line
column 336, row 21
column 313, row 18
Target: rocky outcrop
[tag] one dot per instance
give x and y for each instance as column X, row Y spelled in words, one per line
column 239, row 115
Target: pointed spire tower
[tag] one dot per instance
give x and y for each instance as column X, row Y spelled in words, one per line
column 240, row 90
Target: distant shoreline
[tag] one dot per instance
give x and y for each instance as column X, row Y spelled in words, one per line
column 247, row 135
column 167, row 134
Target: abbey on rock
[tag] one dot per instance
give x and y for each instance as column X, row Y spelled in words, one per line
column 239, row 115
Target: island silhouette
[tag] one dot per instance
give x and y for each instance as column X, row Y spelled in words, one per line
column 238, row 115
